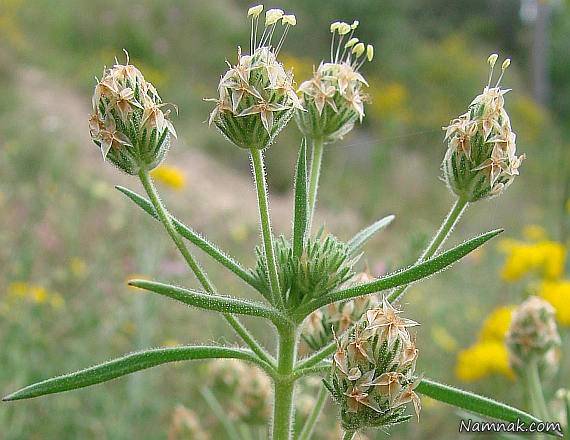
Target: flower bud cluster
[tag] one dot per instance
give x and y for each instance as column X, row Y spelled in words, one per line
column 244, row 391
column 326, row 264
column 333, row 97
column 335, row 318
column 481, row 160
column 128, row 122
column 373, row 376
column 256, row 96
column 533, row 336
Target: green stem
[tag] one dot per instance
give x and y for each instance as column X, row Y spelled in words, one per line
column 265, row 220
column 201, row 275
column 283, row 409
column 534, row 389
column 309, row 426
column 437, row 241
column 348, row 435
column 316, row 161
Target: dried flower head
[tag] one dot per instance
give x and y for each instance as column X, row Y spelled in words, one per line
column 333, row 97
column 533, row 336
column 256, row 95
column 323, row 324
column 374, row 370
column 129, row 122
column 481, row 160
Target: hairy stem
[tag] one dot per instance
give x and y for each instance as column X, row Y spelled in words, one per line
column 309, row 426
column 534, row 389
column 316, row 160
column 265, row 220
column 201, row 275
column 283, row 409
column 437, row 241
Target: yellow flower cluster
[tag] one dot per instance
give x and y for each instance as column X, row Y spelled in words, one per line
column 545, row 258
column 32, row 293
column 172, row 177
column 557, row 293
column 489, row 354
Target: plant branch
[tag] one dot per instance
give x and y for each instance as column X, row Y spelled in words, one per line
column 316, row 161
column 166, row 220
column 403, row 277
column 265, row 221
column 438, row 239
column 131, row 363
column 311, row 421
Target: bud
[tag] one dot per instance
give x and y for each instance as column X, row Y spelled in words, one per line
column 256, row 96
column 373, row 376
column 335, row 318
column 533, row 336
column 333, row 97
column 481, row 160
column 128, row 122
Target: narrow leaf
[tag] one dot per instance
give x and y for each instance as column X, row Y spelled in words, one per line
column 300, row 217
column 403, row 277
column 195, row 238
column 475, row 403
column 360, row 239
column 125, row 365
column 209, row 301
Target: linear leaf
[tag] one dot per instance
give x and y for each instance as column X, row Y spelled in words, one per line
column 300, row 218
column 129, row 364
column 406, row 276
column 195, row 238
column 209, row 301
column 360, row 239
column 474, row 403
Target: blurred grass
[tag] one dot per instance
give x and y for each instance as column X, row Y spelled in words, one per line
column 64, row 228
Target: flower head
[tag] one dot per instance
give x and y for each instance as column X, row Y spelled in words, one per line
column 533, row 336
column 129, row 122
column 481, row 160
column 256, row 95
column 374, row 370
column 333, row 97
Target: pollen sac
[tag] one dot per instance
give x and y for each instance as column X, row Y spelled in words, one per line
column 321, row 325
column 256, row 100
column 129, row 123
column 481, row 161
column 373, row 374
column 333, row 98
column 533, row 336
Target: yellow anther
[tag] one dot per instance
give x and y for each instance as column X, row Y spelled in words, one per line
column 254, row 11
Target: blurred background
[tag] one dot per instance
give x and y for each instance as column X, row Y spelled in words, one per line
column 69, row 240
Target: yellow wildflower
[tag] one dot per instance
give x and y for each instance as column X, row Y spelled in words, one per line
column 443, row 338
column 38, row 294
column 33, row 293
column 481, row 360
column 545, row 258
column 172, row 177
column 557, row 293
column 78, row 267
column 496, row 325
column 534, row 233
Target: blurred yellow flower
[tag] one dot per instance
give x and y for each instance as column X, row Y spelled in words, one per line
column 545, row 258
column 302, row 67
column 496, row 325
column 557, row 293
column 529, row 117
column 172, row 177
column 443, row 338
column 78, row 267
column 389, row 99
column 32, row 293
column 534, row 233
column 481, row 360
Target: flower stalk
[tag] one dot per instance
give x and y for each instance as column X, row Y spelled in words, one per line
column 315, row 173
